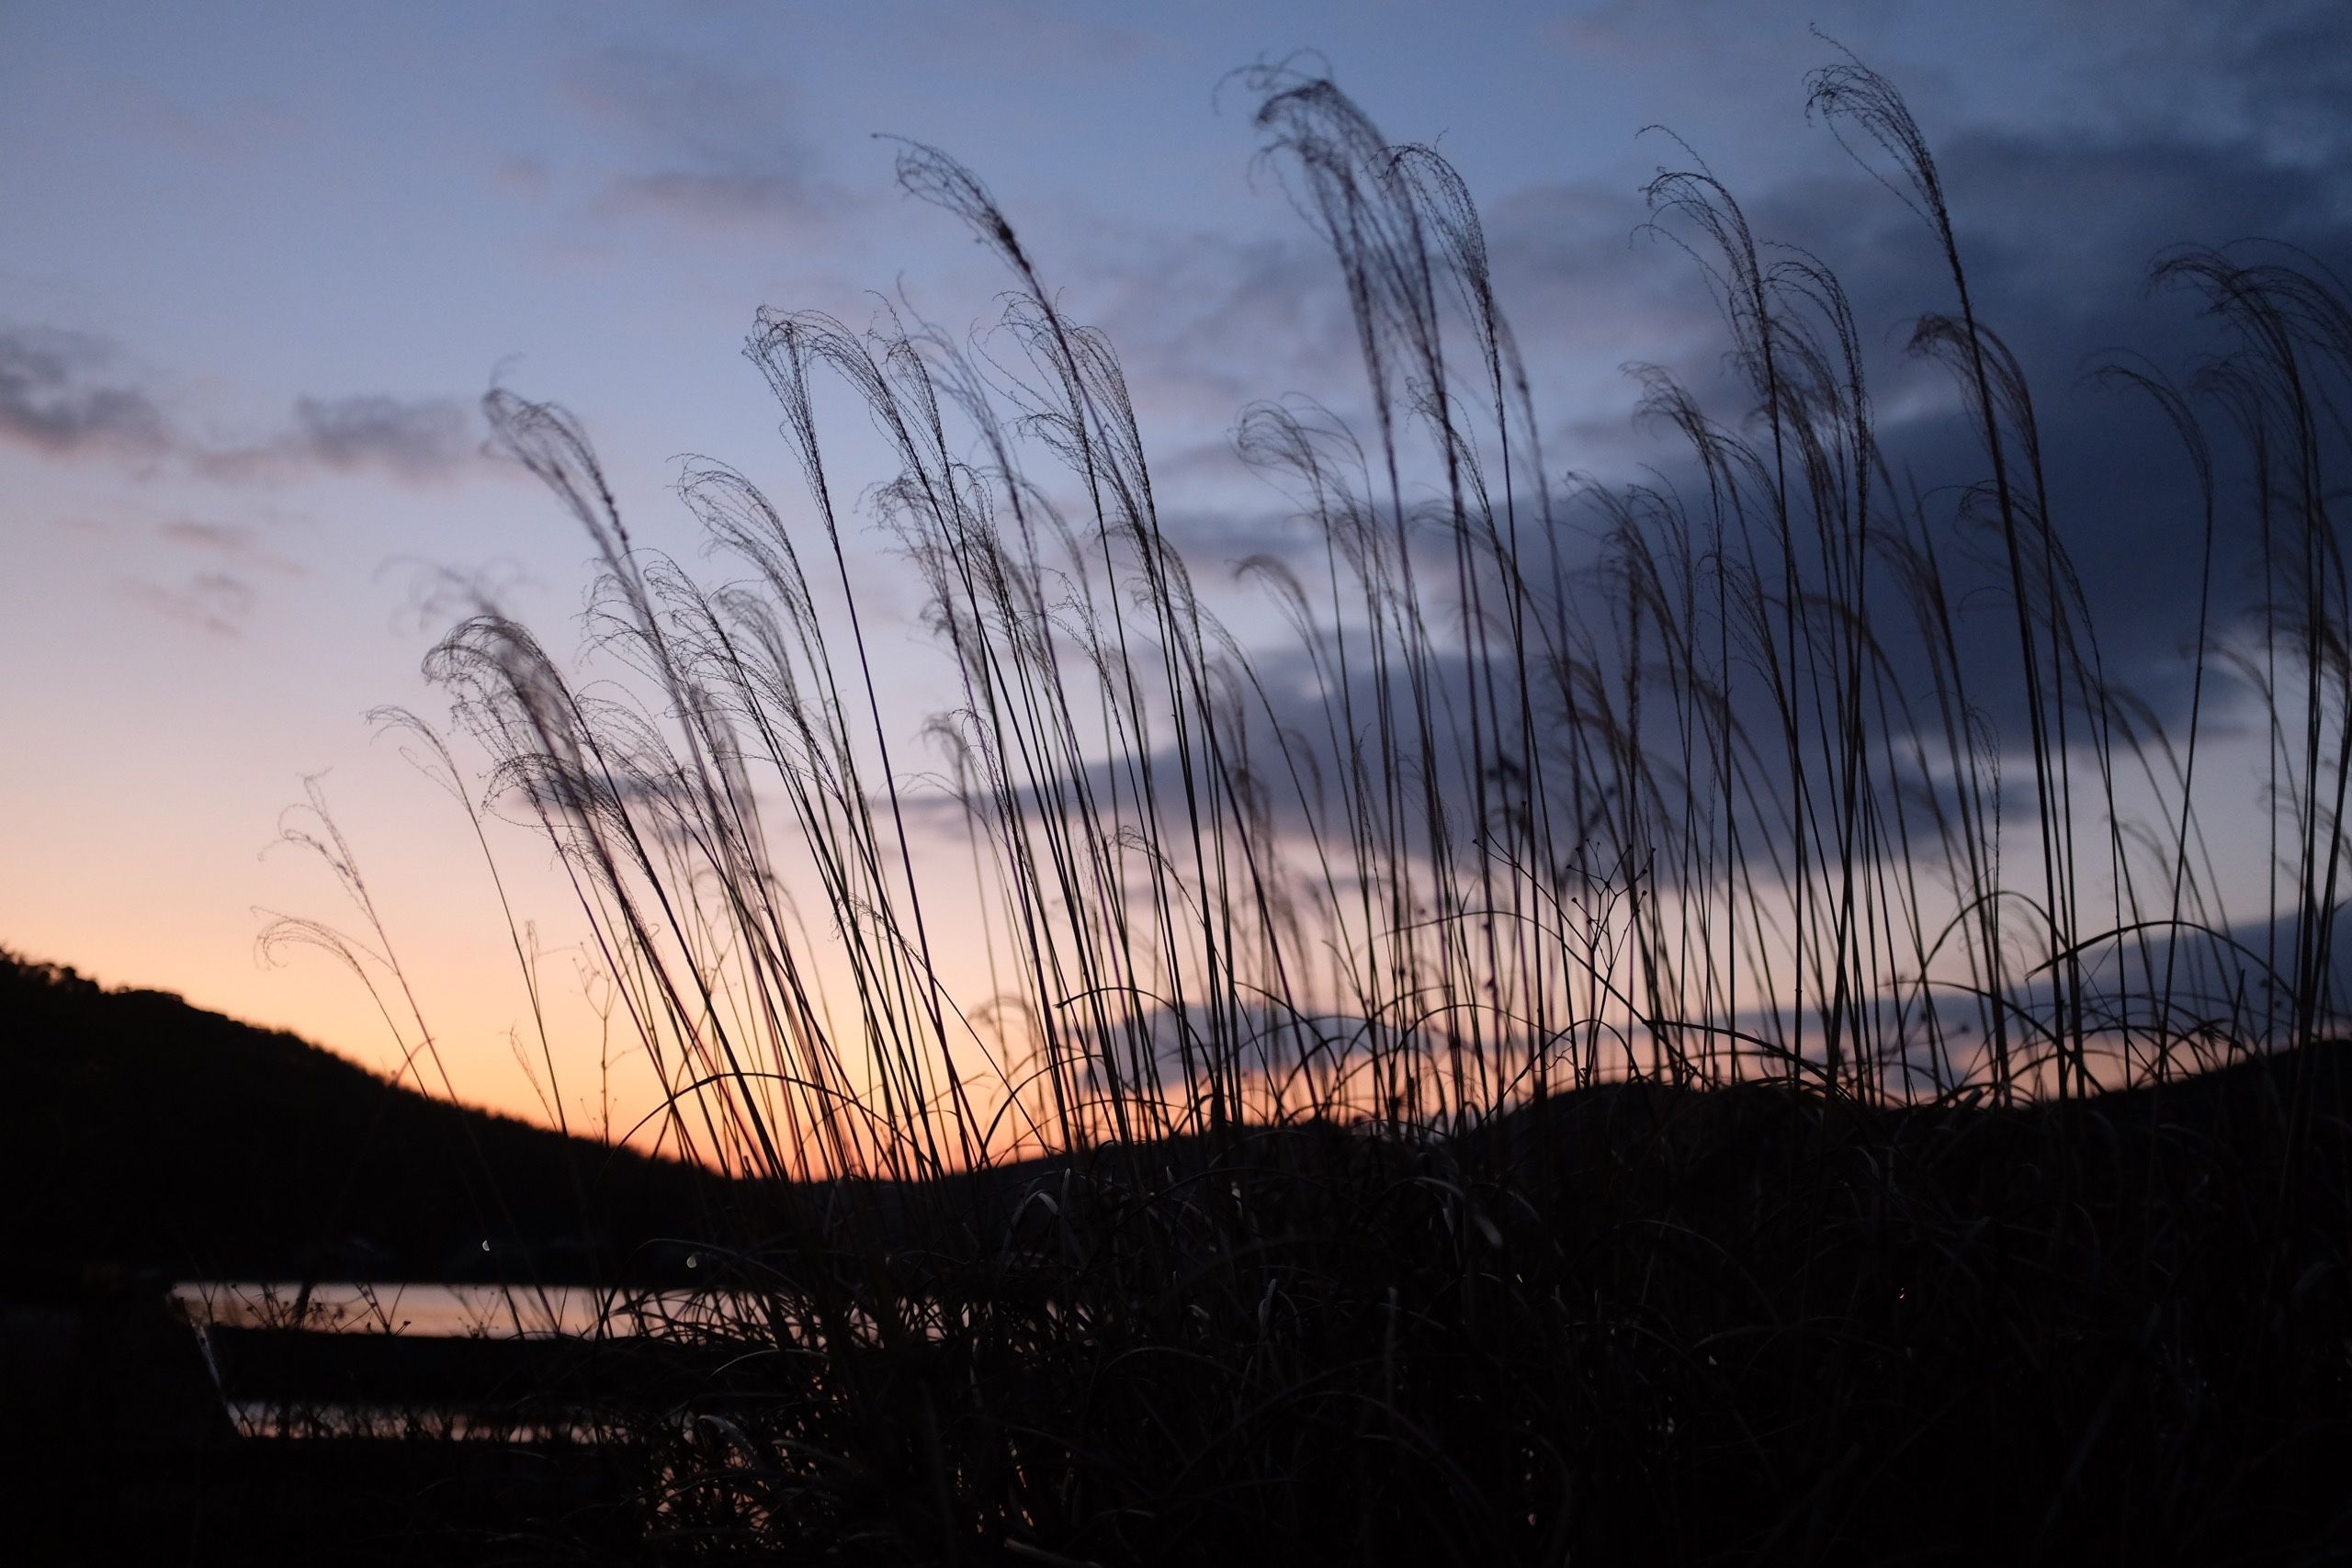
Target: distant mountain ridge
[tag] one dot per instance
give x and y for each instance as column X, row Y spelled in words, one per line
column 138, row 1130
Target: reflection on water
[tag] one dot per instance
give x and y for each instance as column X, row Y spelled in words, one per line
column 296, row 1383
column 343, row 1419
column 449, row 1311
column 511, row 1363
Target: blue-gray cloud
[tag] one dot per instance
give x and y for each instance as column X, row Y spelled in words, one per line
column 64, row 393
column 199, row 572
column 219, row 602
column 717, row 145
column 2059, row 232
column 56, row 395
column 413, row 439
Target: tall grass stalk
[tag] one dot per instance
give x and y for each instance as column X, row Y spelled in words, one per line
column 1784, row 772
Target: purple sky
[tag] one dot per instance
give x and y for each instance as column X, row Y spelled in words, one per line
column 258, row 263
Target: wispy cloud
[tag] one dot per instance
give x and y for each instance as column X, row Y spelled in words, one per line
column 56, row 395
column 415, row 439
column 197, row 572
column 219, row 602
column 719, row 146
column 238, row 543
column 64, row 394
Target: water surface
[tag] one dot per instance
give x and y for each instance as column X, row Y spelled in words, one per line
column 434, row 1310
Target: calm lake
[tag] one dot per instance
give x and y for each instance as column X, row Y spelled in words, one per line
column 393, row 1359
column 476, row 1311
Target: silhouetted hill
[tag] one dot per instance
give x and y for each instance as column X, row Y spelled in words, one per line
column 135, row 1128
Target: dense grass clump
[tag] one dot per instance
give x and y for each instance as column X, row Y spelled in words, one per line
column 1635, row 1322
column 1667, row 1025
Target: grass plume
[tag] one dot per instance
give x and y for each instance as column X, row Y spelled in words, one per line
column 1664, row 1024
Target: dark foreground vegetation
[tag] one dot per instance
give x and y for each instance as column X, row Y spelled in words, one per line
column 1631, row 1323
column 143, row 1135
column 1700, row 1022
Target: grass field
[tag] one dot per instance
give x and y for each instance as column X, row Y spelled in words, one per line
column 1684, row 1023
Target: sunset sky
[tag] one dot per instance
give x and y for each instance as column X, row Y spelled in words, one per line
column 258, row 265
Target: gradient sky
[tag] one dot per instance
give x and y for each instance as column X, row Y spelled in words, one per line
column 257, row 265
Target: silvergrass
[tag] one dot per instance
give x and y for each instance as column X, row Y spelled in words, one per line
column 1272, row 1197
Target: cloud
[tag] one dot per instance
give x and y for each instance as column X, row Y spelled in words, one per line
column 51, row 397
column 2268, row 71
column 2059, row 237
column 711, row 198
column 525, row 177
column 723, row 147
column 237, row 543
column 230, row 538
column 2058, row 228
column 411, row 438
column 215, row 601
column 199, row 573
column 58, row 395
column 230, row 129
column 417, row 440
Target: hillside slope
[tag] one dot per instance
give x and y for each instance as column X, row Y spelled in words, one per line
column 138, row 1130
